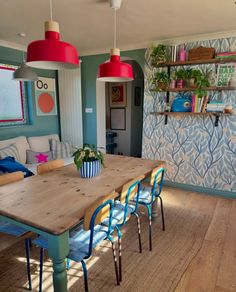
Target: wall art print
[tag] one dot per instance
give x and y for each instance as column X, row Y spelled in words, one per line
column 117, row 93
column 197, row 153
column 45, row 97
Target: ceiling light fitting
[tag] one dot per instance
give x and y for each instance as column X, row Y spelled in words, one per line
column 115, row 70
column 24, row 72
column 52, row 53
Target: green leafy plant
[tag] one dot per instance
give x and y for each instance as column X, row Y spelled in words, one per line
column 160, row 54
column 202, row 82
column 161, row 80
column 87, row 154
column 181, row 74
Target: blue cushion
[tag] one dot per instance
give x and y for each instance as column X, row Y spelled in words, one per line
column 119, row 213
column 8, row 164
column 78, row 241
column 144, row 195
column 11, row 229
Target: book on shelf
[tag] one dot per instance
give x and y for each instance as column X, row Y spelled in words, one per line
column 215, row 106
column 226, row 55
column 199, row 104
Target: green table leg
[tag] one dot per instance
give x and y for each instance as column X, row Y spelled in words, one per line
column 58, row 249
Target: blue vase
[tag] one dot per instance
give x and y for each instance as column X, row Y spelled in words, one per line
column 90, row 169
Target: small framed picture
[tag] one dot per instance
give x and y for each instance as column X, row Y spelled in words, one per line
column 137, row 96
column 118, row 119
column 117, row 94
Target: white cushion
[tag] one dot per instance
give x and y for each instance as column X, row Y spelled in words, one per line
column 21, row 145
column 41, row 143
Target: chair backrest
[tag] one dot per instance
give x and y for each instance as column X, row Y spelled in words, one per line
column 97, row 213
column 156, row 174
column 129, row 191
column 157, row 178
column 11, row 177
column 93, row 216
column 49, row 166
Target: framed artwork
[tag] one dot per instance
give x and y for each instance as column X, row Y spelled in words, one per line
column 45, row 97
column 118, row 119
column 137, row 96
column 11, row 97
column 117, row 94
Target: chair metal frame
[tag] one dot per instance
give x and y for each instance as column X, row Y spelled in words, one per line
column 92, row 225
column 119, row 225
column 11, row 178
column 155, row 195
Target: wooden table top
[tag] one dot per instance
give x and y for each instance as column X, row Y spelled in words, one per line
column 55, row 202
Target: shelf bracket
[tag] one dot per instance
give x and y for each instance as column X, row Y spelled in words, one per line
column 166, row 119
column 217, row 120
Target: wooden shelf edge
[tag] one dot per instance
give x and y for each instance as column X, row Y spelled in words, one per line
column 211, row 88
column 195, row 62
column 191, row 113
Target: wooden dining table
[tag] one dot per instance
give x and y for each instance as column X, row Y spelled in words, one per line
column 53, row 203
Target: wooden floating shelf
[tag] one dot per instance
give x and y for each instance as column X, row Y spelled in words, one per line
column 211, row 88
column 195, row 62
column 216, row 114
column 190, row 113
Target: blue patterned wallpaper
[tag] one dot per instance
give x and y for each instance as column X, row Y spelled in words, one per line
column 196, row 152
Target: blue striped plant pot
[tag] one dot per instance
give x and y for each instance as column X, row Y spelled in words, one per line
column 90, row 169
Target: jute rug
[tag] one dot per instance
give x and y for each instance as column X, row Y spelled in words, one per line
column 159, row 270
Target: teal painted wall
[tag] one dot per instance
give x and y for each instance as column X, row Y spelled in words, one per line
column 89, row 69
column 37, row 125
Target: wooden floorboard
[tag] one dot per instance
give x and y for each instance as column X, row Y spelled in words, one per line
column 211, row 269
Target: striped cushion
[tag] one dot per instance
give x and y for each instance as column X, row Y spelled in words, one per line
column 10, row 150
column 61, row 149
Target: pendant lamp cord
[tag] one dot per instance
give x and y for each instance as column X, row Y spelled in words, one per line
column 51, row 9
column 114, row 28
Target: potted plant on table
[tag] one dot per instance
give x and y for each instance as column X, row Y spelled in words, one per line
column 88, row 161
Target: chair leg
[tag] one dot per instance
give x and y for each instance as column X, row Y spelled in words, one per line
column 85, row 276
column 150, row 228
column 162, row 215
column 120, row 260
column 115, row 262
column 41, row 270
column 67, row 263
column 27, row 252
column 139, row 232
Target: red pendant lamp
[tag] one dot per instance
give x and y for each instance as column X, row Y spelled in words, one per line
column 51, row 53
column 115, row 70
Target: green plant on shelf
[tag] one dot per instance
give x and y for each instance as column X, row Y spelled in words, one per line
column 160, row 54
column 181, row 74
column 202, row 82
column 161, row 81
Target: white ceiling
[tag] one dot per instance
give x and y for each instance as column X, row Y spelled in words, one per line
column 88, row 24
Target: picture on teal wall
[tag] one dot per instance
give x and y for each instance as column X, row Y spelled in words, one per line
column 45, row 97
column 11, row 97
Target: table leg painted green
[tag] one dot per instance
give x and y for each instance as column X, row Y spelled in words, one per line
column 58, row 249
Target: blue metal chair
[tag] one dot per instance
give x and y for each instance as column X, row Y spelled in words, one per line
column 123, row 209
column 148, row 195
column 84, row 238
column 9, row 228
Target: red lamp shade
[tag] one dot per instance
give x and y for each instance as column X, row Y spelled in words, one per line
column 115, row 70
column 52, row 53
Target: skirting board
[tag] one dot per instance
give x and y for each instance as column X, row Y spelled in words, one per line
column 192, row 188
